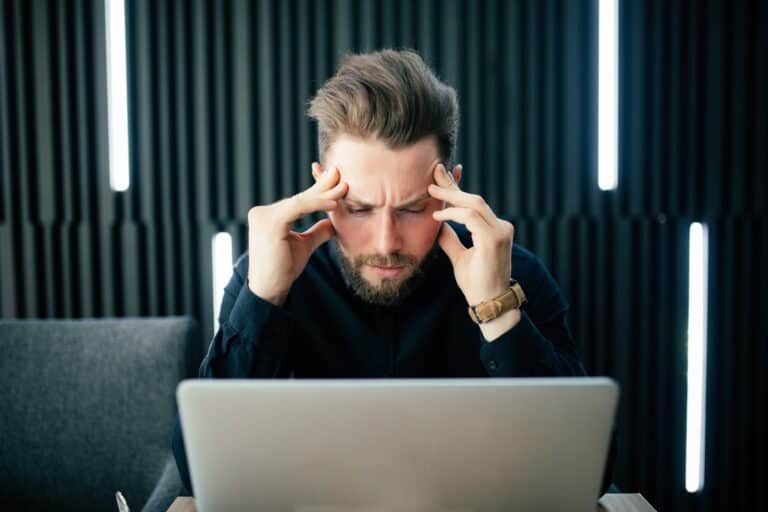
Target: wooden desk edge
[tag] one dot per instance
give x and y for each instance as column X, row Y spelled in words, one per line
column 608, row 503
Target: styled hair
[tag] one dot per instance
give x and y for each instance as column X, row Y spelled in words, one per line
column 391, row 95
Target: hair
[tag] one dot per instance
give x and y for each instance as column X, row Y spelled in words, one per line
column 391, row 95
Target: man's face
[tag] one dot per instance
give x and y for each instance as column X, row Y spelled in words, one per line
column 384, row 225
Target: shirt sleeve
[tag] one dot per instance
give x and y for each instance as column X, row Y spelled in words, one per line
column 541, row 344
column 254, row 336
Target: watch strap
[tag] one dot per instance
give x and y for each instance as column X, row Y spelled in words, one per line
column 487, row 310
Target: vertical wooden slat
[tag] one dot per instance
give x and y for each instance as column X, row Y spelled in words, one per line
column 287, row 131
column 241, row 145
column 5, row 123
column 268, row 167
column 87, row 293
column 388, row 24
column 84, row 154
column 128, row 266
column 50, row 266
column 490, row 160
column 30, row 255
column 407, row 24
column 307, row 151
column 201, row 115
column 473, row 168
column 8, row 294
column 41, row 178
column 426, row 30
column 546, row 112
column 511, row 136
column 675, row 101
column 183, row 182
column 21, row 51
column 145, row 163
column 369, row 18
column 573, row 172
column 65, row 183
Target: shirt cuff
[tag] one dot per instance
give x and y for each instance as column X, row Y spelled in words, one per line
column 516, row 352
column 259, row 322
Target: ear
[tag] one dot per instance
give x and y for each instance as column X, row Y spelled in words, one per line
column 317, row 171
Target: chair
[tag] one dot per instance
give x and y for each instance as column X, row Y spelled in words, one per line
column 87, row 408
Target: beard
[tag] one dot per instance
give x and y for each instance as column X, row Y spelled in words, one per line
column 390, row 291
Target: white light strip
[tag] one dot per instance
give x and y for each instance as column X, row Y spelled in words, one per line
column 697, row 357
column 221, row 250
column 608, row 95
column 117, row 97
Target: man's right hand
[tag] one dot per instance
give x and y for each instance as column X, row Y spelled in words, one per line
column 276, row 254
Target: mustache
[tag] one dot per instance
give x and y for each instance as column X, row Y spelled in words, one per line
column 382, row 260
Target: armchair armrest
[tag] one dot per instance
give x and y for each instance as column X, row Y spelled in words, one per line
column 167, row 488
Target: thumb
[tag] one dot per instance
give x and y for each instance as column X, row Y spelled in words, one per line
column 320, row 232
column 450, row 243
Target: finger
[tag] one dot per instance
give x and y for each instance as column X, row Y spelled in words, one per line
column 318, row 197
column 443, row 178
column 300, row 205
column 470, row 218
column 319, row 233
column 327, row 179
column 336, row 192
column 449, row 242
column 463, row 199
column 329, row 185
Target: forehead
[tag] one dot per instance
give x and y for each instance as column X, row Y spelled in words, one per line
column 370, row 163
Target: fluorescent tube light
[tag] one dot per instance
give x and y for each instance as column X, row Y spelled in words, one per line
column 695, row 430
column 608, row 95
column 221, row 246
column 117, row 97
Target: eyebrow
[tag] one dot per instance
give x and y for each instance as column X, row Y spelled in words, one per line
column 406, row 204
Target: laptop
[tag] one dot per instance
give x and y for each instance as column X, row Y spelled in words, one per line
column 426, row 445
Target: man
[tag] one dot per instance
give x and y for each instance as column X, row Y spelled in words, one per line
column 381, row 287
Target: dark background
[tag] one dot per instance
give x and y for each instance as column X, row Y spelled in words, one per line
column 217, row 98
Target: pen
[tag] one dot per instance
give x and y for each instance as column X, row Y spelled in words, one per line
column 122, row 505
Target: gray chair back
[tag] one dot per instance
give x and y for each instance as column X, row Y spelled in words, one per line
column 87, row 408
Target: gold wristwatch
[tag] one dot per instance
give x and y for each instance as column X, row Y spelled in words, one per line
column 487, row 310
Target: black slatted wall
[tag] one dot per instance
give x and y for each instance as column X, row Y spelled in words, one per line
column 217, row 98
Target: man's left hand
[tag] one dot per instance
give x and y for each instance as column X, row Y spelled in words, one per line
column 483, row 270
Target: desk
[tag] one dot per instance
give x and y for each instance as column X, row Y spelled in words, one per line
column 608, row 503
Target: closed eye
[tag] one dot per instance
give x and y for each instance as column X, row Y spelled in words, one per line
column 361, row 211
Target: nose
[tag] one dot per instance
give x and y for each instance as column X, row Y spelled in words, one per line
column 388, row 239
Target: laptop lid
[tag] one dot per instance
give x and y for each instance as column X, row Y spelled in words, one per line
column 397, row 445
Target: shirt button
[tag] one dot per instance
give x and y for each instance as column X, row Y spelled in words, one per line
column 492, row 365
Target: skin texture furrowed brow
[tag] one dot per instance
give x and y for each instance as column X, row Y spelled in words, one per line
column 362, row 204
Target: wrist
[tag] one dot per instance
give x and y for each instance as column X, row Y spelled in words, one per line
column 486, row 311
column 276, row 299
column 500, row 325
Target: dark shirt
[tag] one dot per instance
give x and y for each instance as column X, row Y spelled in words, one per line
column 324, row 330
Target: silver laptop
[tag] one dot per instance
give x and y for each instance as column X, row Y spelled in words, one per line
column 397, row 445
